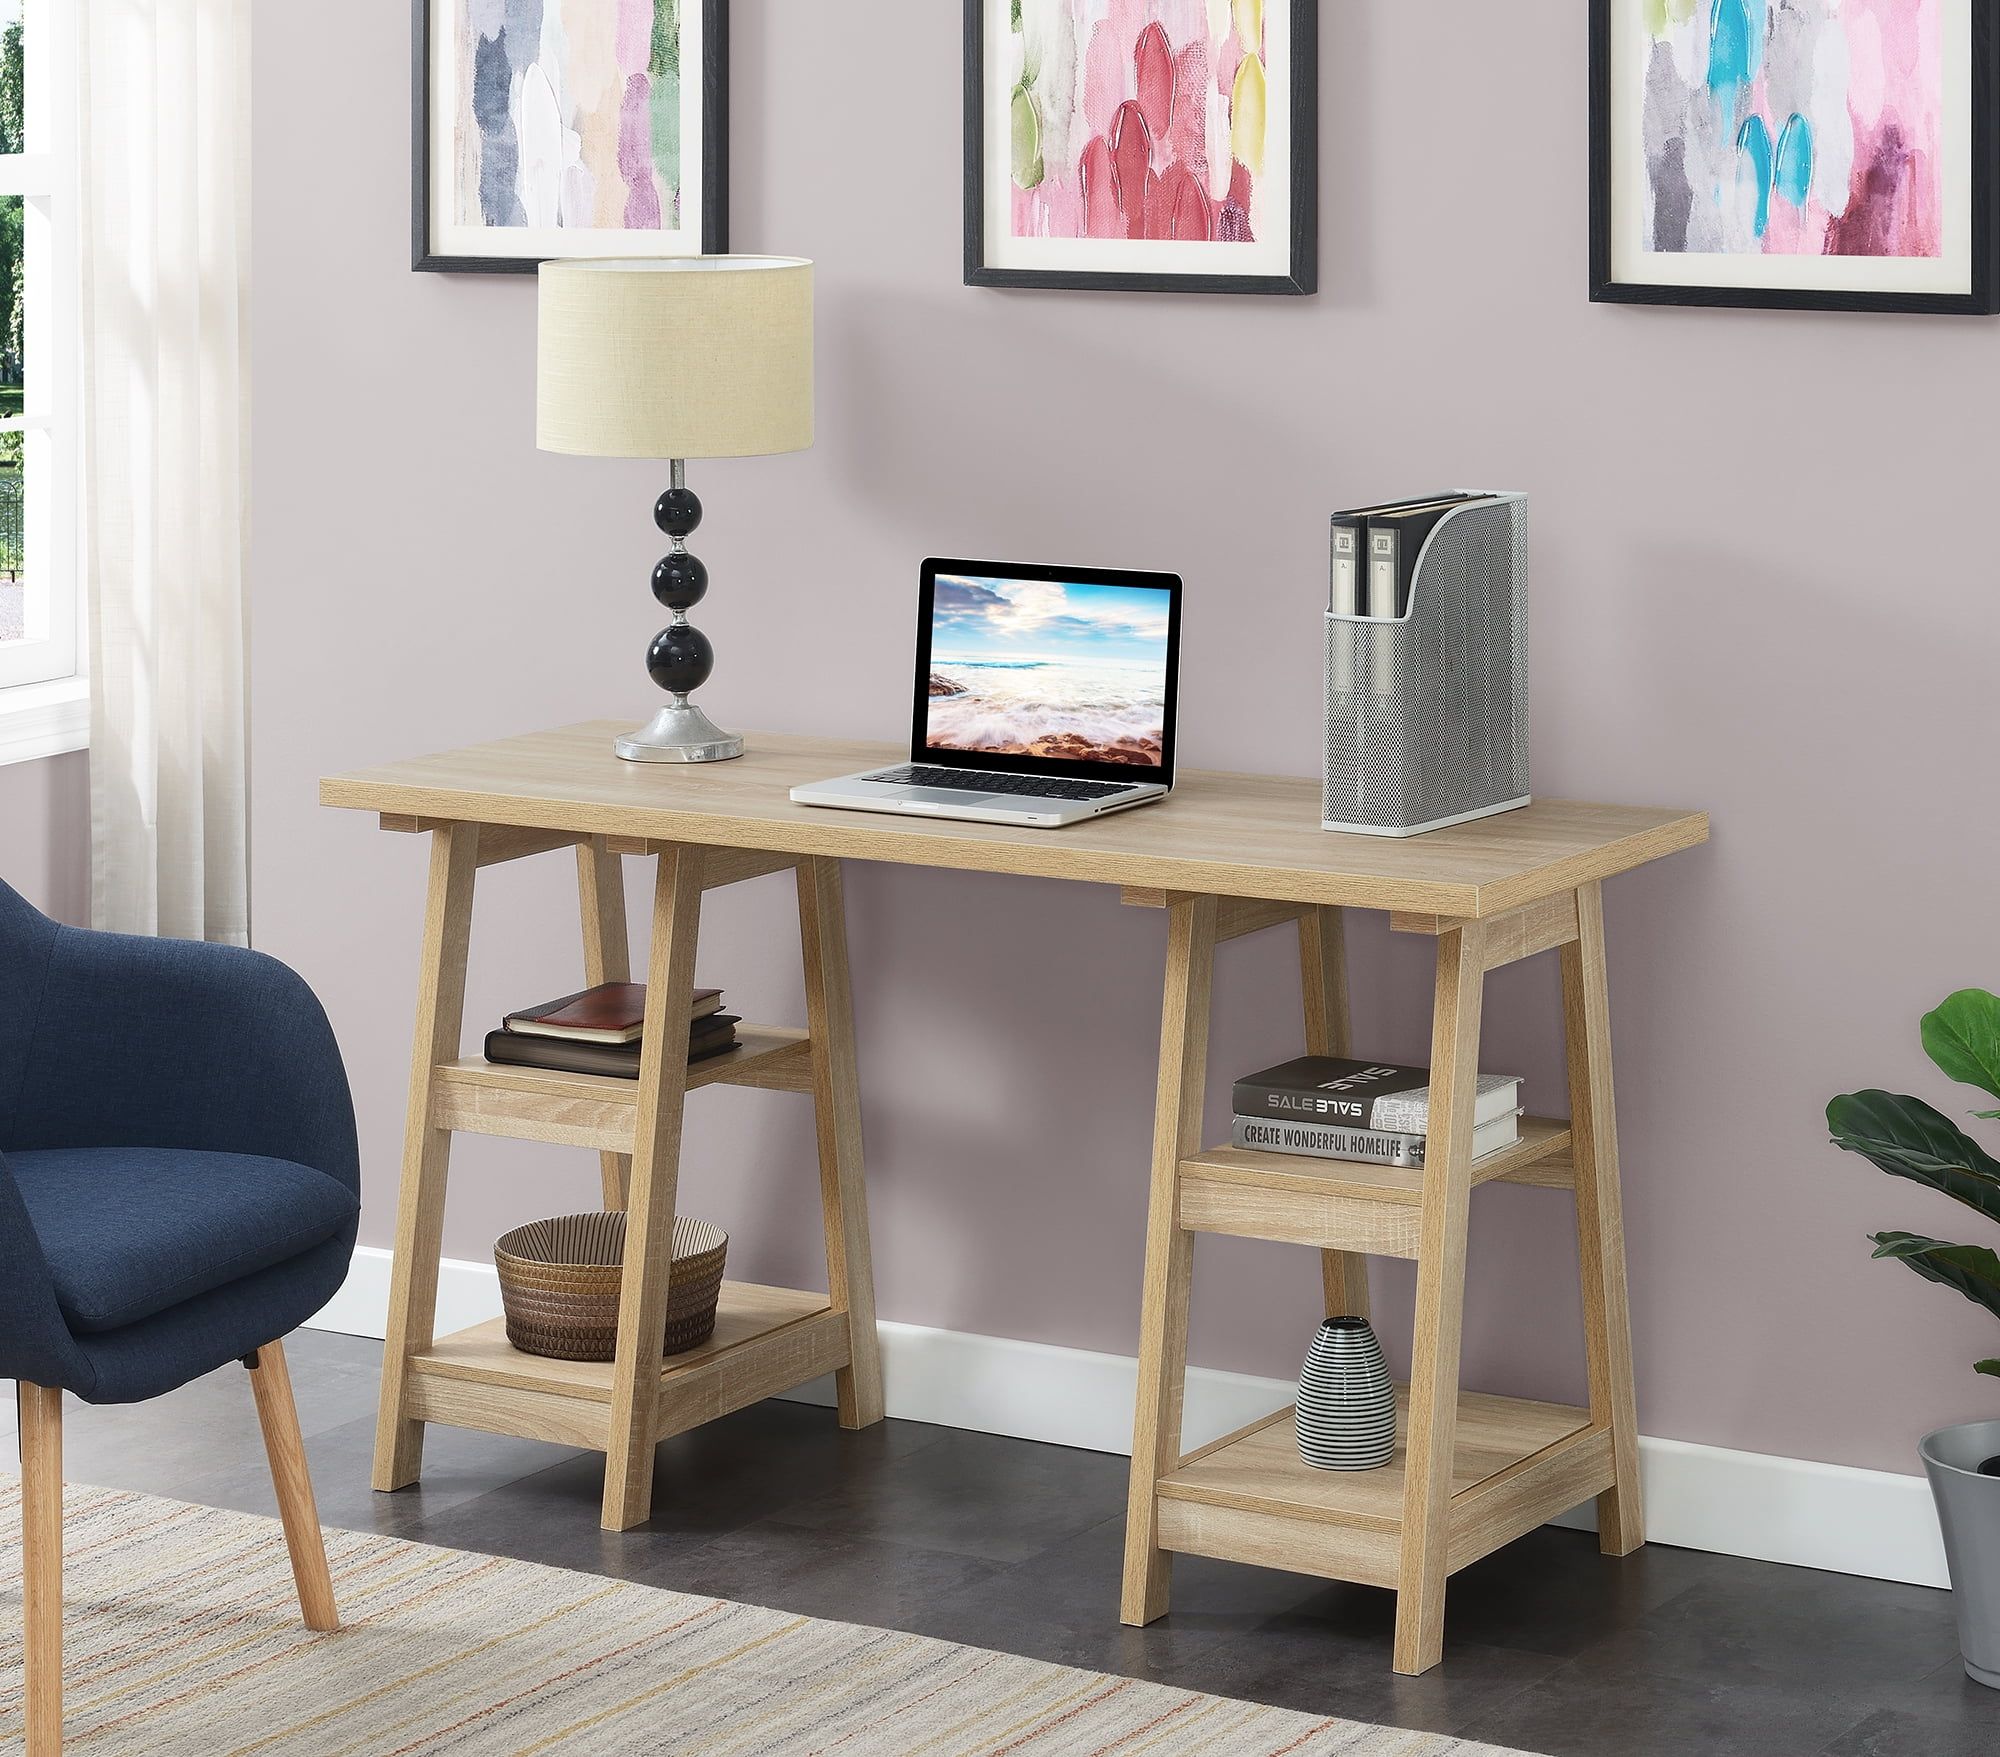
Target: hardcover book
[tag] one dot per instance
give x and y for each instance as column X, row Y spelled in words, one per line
column 1361, row 1094
column 710, row 1036
column 1330, row 1141
column 612, row 1012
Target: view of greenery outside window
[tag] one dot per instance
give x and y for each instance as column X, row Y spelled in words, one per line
column 41, row 608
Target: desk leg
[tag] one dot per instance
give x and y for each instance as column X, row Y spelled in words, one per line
column 850, row 1273
column 649, row 1222
column 607, row 957
column 399, row 1441
column 1600, row 1224
column 1323, row 983
column 1434, row 1351
column 1163, row 1322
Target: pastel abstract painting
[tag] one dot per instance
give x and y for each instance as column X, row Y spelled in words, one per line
column 1809, row 127
column 569, row 115
column 1810, row 146
column 1142, row 136
column 568, row 127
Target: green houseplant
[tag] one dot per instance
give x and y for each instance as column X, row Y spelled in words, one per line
column 1907, row 1138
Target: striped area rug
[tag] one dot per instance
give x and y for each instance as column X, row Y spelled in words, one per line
column 183, row 1638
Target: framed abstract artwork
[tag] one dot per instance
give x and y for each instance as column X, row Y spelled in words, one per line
column 566, row 128
column 1144, row 145
column 1832, row 155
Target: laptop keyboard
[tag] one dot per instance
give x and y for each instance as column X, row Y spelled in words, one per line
column 981, row 781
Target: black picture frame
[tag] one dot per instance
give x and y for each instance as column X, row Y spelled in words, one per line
column 714, row 149
column 1302, row 278
column 1002, row 762
column 1983, row 298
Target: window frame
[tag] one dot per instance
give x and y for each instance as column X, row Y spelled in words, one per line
column 44, row 688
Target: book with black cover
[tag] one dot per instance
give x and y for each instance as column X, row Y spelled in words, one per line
column 612, row 1012
column 1361, row 1094
column 710, row 1036
column 1345, row 594
column 1390, row 537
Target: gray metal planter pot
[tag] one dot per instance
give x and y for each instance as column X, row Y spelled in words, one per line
column 1968, row 1507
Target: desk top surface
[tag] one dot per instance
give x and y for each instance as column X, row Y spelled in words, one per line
column 1222, row 835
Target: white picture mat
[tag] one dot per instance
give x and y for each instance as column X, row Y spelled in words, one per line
column 532, row 243
column 1270, row 254
column 1632, row 264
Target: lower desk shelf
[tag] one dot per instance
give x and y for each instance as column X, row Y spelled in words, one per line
column 767, row 1340
column 1251, row 1498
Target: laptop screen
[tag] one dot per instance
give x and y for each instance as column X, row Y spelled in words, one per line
column 1064, row 674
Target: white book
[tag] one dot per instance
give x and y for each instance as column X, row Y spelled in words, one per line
column 1410, row 1112
column 1375, row 1146
column 1383, row 552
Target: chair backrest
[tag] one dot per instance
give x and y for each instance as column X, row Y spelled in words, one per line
column 34, row 1344
column 26, row 938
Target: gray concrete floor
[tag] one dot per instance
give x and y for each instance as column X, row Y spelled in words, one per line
column 1006, row 1544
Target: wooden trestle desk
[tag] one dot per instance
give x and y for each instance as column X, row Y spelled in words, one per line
column 1228, row 855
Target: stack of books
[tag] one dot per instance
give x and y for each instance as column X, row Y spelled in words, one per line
column 1332, row 1108
column 598, row 1031
column 1376, row 549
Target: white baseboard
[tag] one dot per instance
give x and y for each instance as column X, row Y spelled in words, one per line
column 1793, row 1510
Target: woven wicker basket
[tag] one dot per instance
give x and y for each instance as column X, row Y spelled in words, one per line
column 560, row 1279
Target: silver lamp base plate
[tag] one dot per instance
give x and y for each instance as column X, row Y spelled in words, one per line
column 679, row 733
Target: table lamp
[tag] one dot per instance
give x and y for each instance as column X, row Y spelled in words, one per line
column 676, row 358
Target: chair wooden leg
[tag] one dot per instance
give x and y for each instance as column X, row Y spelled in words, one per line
column 1434, row 1351
column 837, row 1114
column 649, row 1223
column 413, row 1274
column 1323, row 985
column 278, row 1416
column 1600, row 1223
column 1163, row 1319
column 42, row 1564
column 607, row 957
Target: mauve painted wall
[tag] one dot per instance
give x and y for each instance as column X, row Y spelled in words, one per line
column 45, row 834
column 1763, row 586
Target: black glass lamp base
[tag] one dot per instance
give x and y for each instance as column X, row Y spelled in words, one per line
column 680, row 657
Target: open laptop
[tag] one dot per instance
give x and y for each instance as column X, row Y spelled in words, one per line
column 1044, row 696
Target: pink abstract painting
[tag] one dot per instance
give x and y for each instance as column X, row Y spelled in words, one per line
column 1140, row 119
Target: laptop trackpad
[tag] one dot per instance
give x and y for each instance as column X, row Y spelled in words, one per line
column 942, row 795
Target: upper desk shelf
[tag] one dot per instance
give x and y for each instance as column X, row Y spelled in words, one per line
column 1220, row 835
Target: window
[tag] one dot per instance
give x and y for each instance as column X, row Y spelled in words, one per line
column 39, row 577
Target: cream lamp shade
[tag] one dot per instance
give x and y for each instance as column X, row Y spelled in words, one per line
column 682, row 357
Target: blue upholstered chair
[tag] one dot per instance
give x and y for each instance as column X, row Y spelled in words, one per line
column 178, row 1189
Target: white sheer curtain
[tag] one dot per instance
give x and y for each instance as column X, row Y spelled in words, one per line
column 164, row 249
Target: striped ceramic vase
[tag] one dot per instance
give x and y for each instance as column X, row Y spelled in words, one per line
column 1347, row 1404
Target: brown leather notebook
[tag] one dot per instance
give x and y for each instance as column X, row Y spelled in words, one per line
column 612, row 1012
column 620, row 1061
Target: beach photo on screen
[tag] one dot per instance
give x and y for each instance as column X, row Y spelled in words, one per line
column 1046, row 668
